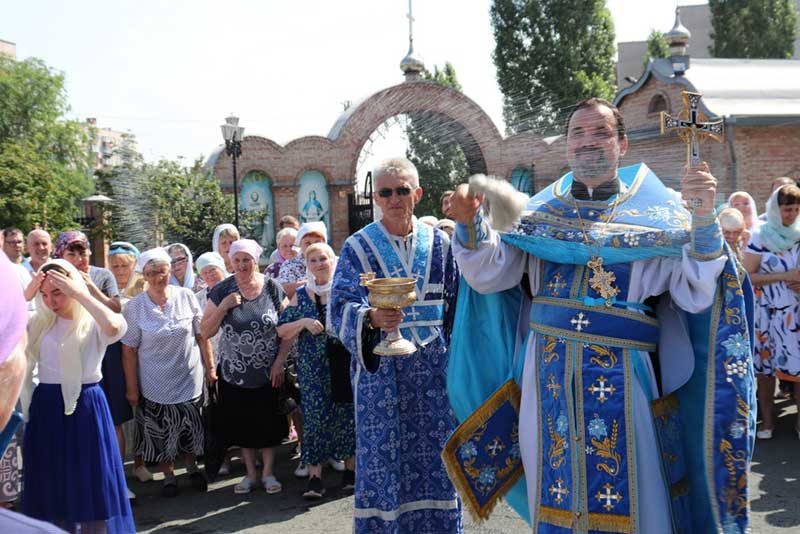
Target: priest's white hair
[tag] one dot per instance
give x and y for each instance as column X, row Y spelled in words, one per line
column 396, row 167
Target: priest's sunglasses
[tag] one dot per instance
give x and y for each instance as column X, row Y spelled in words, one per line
column 386, row 192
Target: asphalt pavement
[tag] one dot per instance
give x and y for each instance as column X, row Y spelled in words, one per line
column 774, row 490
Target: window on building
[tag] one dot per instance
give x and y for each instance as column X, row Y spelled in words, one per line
column 658, row 104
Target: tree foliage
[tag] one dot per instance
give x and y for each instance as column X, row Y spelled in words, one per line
column 165, row 202
column 656, row 47
column 753, row 28
column 44, row 159
column 433, row 146
column 549, row 55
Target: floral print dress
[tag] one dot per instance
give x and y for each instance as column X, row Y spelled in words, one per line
column 776, row 316
column 328, row 427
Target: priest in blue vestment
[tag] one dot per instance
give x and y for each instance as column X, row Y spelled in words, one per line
column 403, row 415
column 629, row 341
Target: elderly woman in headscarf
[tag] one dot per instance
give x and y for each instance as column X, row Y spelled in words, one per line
column 245, row 308
column 293, row 272
column 328, row 426
column 122, row 258
column 734, row 231
column 164, row 356
column 285, row 251
column 744, row 202
column 211, row 268
column 773, row 261
column 221, row 241
column 182, row 268
column 73, row 473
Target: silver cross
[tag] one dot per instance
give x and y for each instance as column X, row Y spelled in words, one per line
column 602, row 389
column 608, row 497
column 580, row 322
column 559, row 491
column 495, row 447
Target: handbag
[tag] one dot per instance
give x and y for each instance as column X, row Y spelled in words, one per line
column 214, row 444
column 339, row 362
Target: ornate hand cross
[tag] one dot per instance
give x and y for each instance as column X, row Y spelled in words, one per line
column 693, row 126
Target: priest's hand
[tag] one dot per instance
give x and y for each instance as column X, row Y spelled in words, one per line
column 463, row 206
column 387, row 320
column 699, row 189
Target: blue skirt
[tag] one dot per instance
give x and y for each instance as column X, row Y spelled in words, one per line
column 72, row 468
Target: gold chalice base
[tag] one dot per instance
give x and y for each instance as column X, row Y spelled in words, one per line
column 393, row 294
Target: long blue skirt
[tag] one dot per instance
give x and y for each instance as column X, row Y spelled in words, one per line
column 72, row 471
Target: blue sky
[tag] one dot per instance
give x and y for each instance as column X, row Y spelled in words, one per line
column 170, row 71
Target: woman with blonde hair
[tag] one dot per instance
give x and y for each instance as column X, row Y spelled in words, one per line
column 73, row 473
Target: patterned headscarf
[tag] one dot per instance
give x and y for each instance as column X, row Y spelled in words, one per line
column 65, row 239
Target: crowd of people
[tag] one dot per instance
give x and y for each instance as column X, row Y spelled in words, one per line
column 288, row 348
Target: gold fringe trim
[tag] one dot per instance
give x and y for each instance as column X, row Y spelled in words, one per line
column 665, row 405
column 567, row 519
column 509, row 391
column 610, row 523
column 555, row 516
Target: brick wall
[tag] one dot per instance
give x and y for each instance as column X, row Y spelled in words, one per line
column 759, row 153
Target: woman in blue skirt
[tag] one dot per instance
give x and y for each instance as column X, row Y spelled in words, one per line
column 73, row 473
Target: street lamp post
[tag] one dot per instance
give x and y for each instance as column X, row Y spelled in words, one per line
column 233, row 134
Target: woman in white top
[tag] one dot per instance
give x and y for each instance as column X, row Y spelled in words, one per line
column 163, row 358
column 73, row 472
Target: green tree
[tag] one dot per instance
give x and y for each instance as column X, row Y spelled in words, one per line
column 44, row 160
column 656, row 47
column 549, row 55
column 753, row 28
column 433, row 146
column 166, row 202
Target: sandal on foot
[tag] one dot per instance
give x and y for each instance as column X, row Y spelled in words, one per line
column 271, row 484
column 244, row 486
column 143, row 474
column 764, row 434
column 314, row 490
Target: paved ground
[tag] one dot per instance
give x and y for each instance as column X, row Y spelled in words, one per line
column 774, row 484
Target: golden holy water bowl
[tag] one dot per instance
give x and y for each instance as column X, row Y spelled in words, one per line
column 391, row 294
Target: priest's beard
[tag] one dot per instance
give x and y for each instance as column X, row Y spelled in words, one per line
column 590, row 164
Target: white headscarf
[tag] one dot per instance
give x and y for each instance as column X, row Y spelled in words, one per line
column 217, row 231
column 311, row 282
column 159, row 254
column 753, row 210
column 70, row 350
column 316, row 227
column 188, row 278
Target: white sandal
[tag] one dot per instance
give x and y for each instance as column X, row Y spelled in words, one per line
column 244, row 486
column 271, row 484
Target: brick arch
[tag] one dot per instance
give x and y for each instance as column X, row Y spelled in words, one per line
column 472, row 127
